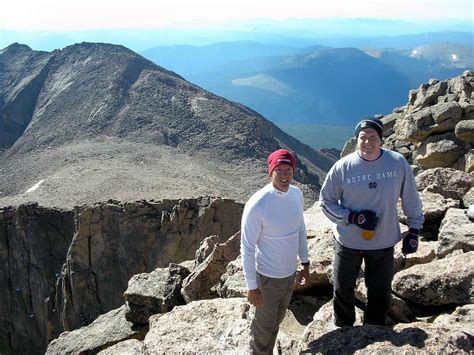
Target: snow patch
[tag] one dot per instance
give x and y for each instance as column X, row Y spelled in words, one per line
column 35, row 186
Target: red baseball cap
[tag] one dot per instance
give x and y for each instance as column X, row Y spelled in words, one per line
column 280, row 156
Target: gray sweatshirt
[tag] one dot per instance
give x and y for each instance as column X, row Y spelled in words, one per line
column 355, row 184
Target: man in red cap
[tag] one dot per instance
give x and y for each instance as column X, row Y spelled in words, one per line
column 273, row 238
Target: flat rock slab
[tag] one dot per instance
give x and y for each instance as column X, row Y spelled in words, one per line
column 202, row 326
column 105, row 331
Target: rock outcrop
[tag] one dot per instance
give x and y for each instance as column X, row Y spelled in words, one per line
column 63, row 269
column 434, row 126
column 107, row 330
column 207, row 274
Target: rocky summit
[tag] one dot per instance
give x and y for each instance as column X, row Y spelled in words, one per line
column 149, row 276
column 432, row 309
column 97, row 121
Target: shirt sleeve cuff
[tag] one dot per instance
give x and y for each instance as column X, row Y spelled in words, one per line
column 252, row 284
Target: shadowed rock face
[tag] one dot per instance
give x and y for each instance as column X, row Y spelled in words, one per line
column 98, row 121
column 33, row 244
column 21, row 78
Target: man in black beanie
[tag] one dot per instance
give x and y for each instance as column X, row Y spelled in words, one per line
column 370, row 122
column 360, row 196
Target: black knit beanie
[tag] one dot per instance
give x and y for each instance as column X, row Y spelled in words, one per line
column 370, row 122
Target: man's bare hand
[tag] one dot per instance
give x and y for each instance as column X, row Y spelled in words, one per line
column 303, row 276
column 255, row 297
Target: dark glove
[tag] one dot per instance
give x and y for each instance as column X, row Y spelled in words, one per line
column 410, row 242
column 366, row 219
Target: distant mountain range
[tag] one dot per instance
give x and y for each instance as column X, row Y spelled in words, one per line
column 333, row 32
column 314, row 85
column 93, row 122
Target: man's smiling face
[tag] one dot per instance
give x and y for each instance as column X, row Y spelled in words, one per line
column 282, row 176
column 369, row 143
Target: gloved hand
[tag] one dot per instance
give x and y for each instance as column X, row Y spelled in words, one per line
column 365, row 219
column 410, row 241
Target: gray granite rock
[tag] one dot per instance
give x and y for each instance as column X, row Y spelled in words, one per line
column 155, row 292
column 441, row 282
column 207, row 274
column 456, row 232
column 105, row 331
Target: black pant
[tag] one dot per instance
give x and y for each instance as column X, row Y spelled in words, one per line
column 378, row 280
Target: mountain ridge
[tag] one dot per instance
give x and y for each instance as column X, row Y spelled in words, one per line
column 97, row 102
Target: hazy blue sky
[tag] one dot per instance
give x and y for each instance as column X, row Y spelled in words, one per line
column 74, row 15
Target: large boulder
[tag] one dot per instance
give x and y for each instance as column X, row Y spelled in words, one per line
column 322, row 336
column 389, row 122
column 212, row 326
column 323, row 323
column 446, row 110
column 435, row 205
column 447, row 182
column 233, row 283
column 464, row 130
column 317, row 224
column 439, row 151
column 441, row 282
column 205, row 248
column 203, row 326
column 456, row 233
column 426, row 95
column 207, row 274
column 434, row 209
column 105, row 331
column 417, row 126
column 155, row 292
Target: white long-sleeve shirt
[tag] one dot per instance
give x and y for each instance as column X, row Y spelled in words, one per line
column 273, row 234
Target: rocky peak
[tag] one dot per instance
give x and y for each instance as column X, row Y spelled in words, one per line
column 15, row 48
column 92, row 102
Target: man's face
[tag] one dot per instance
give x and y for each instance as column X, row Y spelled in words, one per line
column 282, row 176
column 368, row 144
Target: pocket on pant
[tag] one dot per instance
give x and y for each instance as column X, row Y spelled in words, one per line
column 262, row 280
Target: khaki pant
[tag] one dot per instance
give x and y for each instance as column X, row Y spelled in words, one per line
column 276, row 294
